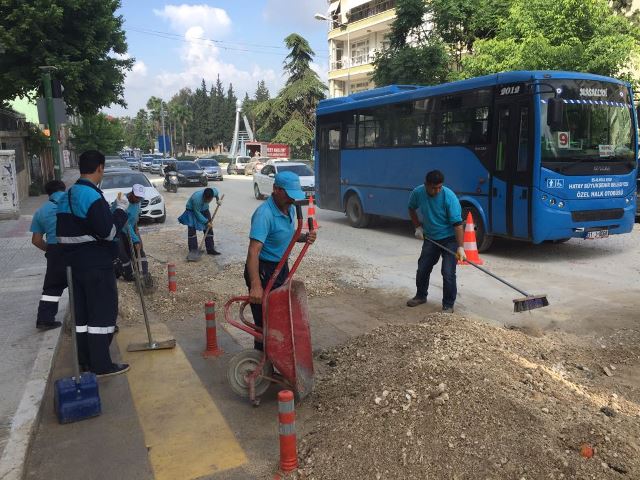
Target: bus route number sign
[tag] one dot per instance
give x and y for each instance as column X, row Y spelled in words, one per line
column 510, row 90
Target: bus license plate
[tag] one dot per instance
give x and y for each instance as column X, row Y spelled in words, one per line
column 593, row 234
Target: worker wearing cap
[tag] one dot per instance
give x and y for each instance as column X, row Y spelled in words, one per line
column 43, row 226
column 273, row 224
column 441, row 221
column 86, row 229
column 198, row 217
column 130, row 231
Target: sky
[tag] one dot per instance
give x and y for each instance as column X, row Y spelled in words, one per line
column 176, row 45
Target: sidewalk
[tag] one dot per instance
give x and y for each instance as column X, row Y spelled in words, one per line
column 26, row 354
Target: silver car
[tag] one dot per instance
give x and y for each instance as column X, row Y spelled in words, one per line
column 145, row 164
column 211, row 167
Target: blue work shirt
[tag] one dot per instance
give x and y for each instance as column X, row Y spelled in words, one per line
column 44, row 220
column 197, row 205
column 273, row 229
column 439, row 214
column 133, row 214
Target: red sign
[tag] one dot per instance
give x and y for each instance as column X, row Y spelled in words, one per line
column 278, row 150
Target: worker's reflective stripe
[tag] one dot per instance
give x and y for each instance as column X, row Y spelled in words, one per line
column 112, row 234
column 95, row 330
column 78, row 239
column 49, row 298
column 126, row 264
column 287, row 428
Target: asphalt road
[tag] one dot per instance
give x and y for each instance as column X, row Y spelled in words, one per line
column 591, row 284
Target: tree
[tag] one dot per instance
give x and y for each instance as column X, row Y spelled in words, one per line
column 140, row 135
column 414, row 54
column 183, row 116
column 575, row 35
column 155, row 106
column 290, row 117
column 98, row 132
column 262, row 92
column 79, row 37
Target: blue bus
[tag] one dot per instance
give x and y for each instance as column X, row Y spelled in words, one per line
column 533, row 155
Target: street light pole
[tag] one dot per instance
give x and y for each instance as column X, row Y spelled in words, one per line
column 164, row 138
column 319, row 16
column 51, row 120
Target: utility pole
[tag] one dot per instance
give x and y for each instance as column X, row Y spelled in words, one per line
column 164, row 138
column 51, row 120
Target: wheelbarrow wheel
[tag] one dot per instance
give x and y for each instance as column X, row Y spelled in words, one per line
column 241, row 365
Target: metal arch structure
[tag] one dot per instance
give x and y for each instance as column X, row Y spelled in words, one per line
column 240, row 137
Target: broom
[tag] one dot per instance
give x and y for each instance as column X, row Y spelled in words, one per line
column 529, row 302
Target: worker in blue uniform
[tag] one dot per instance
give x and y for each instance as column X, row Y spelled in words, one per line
column 198, row 217
column 130, row 231
column 273, row 225
column 43, row 229
column 86, row 229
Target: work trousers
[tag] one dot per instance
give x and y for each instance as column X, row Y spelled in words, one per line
column 265, row 269
column 428, row 259
column 124, row 255
column 55, row 281
column 193, row 236
column 96, row 308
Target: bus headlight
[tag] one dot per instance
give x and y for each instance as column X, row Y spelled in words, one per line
column 544, row 197
column 552, row 201
column 560, row 204
column 627, row 201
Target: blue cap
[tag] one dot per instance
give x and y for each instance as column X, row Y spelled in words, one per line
column 290, row 182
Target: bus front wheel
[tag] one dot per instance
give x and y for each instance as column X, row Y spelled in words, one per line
column 483, row 240
column 355, row 213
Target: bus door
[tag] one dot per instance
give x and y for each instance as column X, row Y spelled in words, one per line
column 329, row 166
column 511, row 180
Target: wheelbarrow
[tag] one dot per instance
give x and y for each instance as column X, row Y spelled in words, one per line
column 287, row 358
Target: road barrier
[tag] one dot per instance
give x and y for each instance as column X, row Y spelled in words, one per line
column 212, row 349
column 171, row 270
column 287, row 429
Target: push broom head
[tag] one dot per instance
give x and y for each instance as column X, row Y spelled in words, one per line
column 529, row 303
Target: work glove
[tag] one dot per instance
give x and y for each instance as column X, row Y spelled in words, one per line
column 122, row 202
column 419, row 233
column 461, row 255
column 218, row 203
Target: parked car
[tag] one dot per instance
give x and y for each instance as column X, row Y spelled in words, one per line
column 211, row 167
column 145, row 163
column 133, row 163
column 115, row 163
column 189, row 173
column 152, row 207
column 156, row 165
column 237, row 165
column 255, row 165
column 263, row 180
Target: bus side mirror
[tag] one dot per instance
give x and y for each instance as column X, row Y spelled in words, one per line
column 555, row 113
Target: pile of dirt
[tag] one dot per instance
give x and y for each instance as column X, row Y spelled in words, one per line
column 451, row 398
column 212, row 280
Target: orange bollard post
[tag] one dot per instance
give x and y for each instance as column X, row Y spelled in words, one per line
column 171, row 270
column 212, row 349
column 287, row 428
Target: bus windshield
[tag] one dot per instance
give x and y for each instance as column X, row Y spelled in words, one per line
column 596, row 124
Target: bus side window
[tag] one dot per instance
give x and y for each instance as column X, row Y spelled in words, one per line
column 350, row 141
column 503, row 137
column 523, row 141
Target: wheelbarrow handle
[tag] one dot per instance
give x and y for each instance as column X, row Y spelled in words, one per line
column 245, row 325
column 303, row 251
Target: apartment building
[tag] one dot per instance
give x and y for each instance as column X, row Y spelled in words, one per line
column 357, row 29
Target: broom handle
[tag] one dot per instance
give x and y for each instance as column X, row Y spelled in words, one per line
column 480, row 268
column 136, row 276
column 72, row 318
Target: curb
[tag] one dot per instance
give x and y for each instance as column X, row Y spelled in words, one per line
column 27, row 416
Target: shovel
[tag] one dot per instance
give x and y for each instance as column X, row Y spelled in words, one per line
column 151, row 344
column 196, row 255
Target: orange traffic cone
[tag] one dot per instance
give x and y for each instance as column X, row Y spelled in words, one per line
column 311, row 213
column 470, row 245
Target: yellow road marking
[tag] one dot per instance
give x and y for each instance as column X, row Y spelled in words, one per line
column 185, row 433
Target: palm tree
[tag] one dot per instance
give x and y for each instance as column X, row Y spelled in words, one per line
column 183, row 116
column 155, row 105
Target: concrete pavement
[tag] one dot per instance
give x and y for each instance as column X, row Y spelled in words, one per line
column 26, row 354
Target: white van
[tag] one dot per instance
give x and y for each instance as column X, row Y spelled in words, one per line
column 237, row 165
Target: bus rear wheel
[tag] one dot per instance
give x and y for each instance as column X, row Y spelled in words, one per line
column 355, row 212
column 483, row 240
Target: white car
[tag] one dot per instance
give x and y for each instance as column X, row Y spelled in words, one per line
column 263, row 180
column 152, row 207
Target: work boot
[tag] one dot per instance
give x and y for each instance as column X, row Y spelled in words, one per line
column 213, row 252
column 415, row 301
column 48, row 325
column 116, row 369
column 447, row 309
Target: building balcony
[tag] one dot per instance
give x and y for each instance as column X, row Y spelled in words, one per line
column 375, row 23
